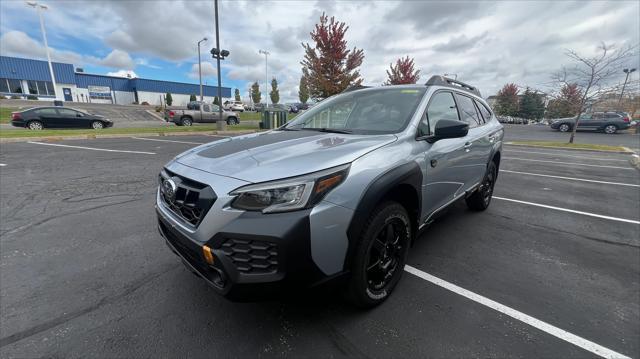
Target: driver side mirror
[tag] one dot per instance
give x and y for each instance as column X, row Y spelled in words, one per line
column 79, row 114
column 448, row 129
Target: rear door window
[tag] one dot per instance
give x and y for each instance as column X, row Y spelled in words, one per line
column 468, row 111
column 46, row 112
column 484, row 111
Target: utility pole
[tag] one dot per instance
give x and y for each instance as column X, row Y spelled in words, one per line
column 628, row 72
column 266, row 77
column 217, row 54
column 39, row 8
column 200, row 67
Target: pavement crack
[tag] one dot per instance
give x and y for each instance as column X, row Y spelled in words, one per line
column 52, row 323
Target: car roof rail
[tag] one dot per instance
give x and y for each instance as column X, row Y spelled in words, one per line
column 354, row 88
column 437, row 80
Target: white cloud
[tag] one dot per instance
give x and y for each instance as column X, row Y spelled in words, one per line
column 123, row 73
column 118, row 59
column 208, row 70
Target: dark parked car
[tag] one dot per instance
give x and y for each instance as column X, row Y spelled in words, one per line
column 38, row 118
column 607, row 122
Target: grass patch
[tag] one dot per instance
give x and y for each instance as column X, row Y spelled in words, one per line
column 117, row 131
column 5, row 114
column 580, row 146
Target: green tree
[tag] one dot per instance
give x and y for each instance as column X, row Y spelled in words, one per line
column 216, row 101
column 256, row 96
column 237, row 95
column 168, row 99
column 330, row 67
column 275, row 93
column 507, row 102
column 303, row 92
column 193, row 98
column 531, row 105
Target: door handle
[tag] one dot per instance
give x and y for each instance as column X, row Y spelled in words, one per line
column 467, row 146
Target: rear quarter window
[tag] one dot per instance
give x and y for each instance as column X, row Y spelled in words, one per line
column 484, row 111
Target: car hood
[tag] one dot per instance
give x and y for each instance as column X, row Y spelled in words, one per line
column 280, row 154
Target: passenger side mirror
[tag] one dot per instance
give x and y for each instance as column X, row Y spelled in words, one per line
column 448, row 129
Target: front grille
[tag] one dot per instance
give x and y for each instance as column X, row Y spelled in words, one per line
column 258, row 257
column 190, row 201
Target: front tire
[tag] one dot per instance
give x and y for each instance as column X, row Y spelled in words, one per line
column 97, row 125
column 35, row 125
column 610, row 129
column 481, row 197
column 232, row 121
column 380, row 255
column 564, row 128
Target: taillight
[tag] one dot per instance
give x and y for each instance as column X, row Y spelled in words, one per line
column 626, row 119
column 15, row 116
column 171, row 113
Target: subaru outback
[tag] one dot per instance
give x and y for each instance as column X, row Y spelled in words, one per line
column 337, row 194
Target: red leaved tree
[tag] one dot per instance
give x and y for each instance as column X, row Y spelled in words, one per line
column 507, row 101
column 330, row 67
column 403, row 72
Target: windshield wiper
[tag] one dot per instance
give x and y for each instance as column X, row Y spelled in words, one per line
column 329, row 130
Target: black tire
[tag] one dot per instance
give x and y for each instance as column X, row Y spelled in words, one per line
column 186, row 121
column 380, row 255
column 35, row 125
column 232, row 121
column 481, row 197
column 97, row 125
column 564, row 127
column 610, row 129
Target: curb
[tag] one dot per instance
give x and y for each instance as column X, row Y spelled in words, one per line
column 626, row 151
column 126, row 135
column 635, row 161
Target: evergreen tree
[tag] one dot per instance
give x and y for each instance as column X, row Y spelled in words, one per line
column 237, row 95
column 303, row 92
column 168, row 99
column 256, row 96
column 192, row 98
column 275, row 93
column 531, row 105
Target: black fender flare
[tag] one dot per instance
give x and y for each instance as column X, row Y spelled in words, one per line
column 405, row 174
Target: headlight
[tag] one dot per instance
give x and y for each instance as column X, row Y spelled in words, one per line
column 289, row 194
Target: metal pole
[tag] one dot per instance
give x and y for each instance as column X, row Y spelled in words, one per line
column 220, row 124
column 628, row 71
column 46, row 46
column 200, row 70
column 266, row 80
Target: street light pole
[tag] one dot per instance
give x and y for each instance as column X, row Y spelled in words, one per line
column 39, row 8
column 628, row 72
column 219, row 123
column 266, row 77
column 200, row 67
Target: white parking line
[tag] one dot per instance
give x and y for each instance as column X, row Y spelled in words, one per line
column 527, row 319
column 567, row 163
column 560, row 154
column 90, row 148
column 572, row 178
column 2, row 164
column 154, row 139
column 569, row 210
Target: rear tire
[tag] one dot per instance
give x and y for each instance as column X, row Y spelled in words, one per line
column 481, row 197
column 380, row 255
column 610, row 129
column 186, row 121
column 35, row 125
column 564, row 128
column 232, row 121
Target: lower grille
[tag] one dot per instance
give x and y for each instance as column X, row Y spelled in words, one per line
column 258, row 257
column 188, row 199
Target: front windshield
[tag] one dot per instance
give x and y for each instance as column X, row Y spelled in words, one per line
column 376, row 111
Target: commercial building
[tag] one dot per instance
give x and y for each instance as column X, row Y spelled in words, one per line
column 31, row 78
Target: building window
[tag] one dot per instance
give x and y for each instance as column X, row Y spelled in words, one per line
column 4, row 85
column 15, row 86
column 45, row 87
column 33, row 89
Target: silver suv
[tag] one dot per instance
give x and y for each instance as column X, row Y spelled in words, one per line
column 336, row 195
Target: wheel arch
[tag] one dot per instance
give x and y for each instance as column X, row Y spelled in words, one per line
column 402, row 184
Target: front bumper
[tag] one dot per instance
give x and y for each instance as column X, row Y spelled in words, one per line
column 255, row 256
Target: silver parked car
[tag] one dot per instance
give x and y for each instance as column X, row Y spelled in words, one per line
column 338, row 194
column 199, row 112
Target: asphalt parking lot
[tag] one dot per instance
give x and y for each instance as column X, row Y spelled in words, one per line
column 551, row 269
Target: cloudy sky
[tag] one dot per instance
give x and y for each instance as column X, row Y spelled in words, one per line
column 485, row 43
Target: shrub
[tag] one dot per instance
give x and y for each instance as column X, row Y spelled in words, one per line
column 158, row 108
column 32, row 97
column 16, row 97
column 145, row 103
column 3, row 97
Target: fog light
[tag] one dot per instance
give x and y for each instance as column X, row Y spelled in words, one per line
column 208, row 256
